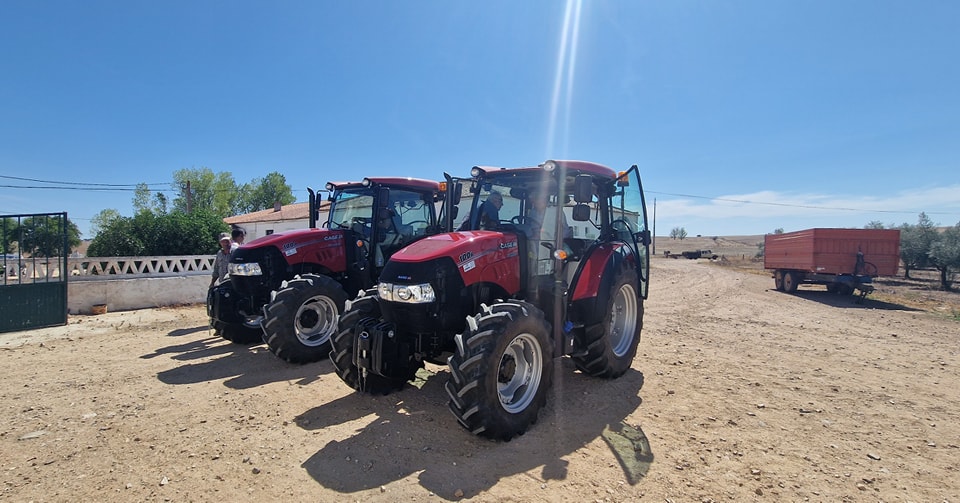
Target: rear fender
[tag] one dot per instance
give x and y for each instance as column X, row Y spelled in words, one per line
column 592, row 282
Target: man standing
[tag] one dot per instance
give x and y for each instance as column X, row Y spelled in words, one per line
column 236, row 238
column 221, row 263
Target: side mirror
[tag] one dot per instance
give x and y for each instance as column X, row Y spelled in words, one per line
column 581, row 213
column 383, row 196
column 643, row 237
column 583, row 189
column 454, row 211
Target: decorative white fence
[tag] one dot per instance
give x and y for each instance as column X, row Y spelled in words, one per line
column 93, row 268
column 30, row 270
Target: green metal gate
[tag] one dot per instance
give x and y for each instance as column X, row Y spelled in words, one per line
column 33, row 291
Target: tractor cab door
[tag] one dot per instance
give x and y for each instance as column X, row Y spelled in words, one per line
column 629, row 221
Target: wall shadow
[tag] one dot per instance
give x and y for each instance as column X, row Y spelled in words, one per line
column 414, row 431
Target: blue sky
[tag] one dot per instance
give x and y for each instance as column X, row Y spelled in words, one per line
column 744, row 116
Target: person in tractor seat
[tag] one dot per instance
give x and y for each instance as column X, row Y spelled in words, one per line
column 490, row 211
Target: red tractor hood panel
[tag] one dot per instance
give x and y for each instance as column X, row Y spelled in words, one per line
column 480, row 256
column 453, row 245
column 325, row 247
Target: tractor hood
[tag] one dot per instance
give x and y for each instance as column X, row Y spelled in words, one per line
column 295, row 238
column 462, row 247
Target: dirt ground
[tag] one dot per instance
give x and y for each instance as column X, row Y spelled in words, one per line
column 738, row 393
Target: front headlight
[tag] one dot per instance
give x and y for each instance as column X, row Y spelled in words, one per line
column 251, row 269
column 411, row 294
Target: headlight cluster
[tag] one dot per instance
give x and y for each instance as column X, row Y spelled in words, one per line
column 412, row 294
column 251, row 269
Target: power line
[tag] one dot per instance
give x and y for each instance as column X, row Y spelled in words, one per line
column 805, row 206
column 111, row 188
column 81, row 183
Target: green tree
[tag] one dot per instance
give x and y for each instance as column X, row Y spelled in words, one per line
column 874, row 224
column 915, row 242
column 945, row 254
column 214, row 192
column 678, row 233
column 144, row 200
column 149, row 234
column 778, row 230
column 262, row 193
column 42, row 236
column 102, row 219
column 7, row 227
column 118, row 238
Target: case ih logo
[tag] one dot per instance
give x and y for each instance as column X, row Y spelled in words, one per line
column 509, row 244
column 466, row 256
column 332, row 238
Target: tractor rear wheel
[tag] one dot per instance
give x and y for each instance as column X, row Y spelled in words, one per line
column 609, row 353
column 501, row 370
column 302, row 316
column 364, row 307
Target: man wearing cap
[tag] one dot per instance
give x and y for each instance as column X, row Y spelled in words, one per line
column 222, row 262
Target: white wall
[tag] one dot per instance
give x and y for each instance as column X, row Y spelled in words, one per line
column 136, row 293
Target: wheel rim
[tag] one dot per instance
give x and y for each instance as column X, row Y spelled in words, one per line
column 623, row 320
column 519, row 373
column 788, row 281
column 316, row 320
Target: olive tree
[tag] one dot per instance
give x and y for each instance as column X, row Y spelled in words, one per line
column 945, row 254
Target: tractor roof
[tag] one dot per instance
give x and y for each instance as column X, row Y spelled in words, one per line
column 418, row 184
column 572, row 167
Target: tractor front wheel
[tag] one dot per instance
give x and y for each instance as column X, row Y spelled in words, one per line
column 609, row 353
column 343, row 344
column 302, row 316
column 501, row 370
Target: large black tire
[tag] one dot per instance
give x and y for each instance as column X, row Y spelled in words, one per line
column 608, row 353
column 365, row 307
column 501, row 370
column 302, row 316
column 791, row 280
column 778, row 280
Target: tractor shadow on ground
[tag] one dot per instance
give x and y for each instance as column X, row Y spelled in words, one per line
column 243, row 366
column 187, row 331
column 846, row 301
column 414, row 432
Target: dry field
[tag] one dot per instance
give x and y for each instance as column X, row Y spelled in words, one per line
column 738, row 393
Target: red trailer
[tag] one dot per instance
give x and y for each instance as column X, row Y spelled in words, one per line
column 842, row 259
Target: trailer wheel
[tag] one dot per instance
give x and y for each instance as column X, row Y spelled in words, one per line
column 501, row 370
column 790, row 281
column 365, row 306
column 778, row 280
column 301, row 317
column 609, row 352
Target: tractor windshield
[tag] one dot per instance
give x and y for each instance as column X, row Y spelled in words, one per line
column 351, row 206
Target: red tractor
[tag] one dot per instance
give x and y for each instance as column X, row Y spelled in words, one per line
column 289, row 288
column 515, row 286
